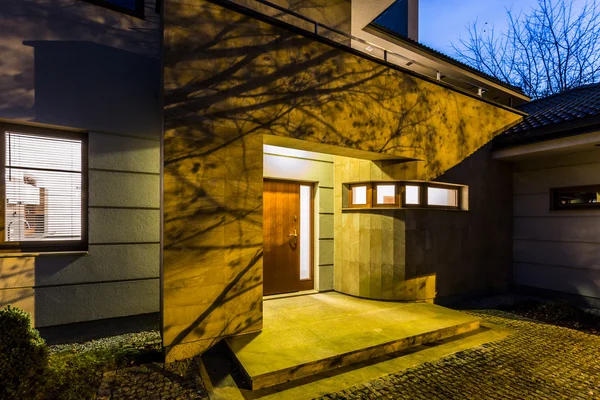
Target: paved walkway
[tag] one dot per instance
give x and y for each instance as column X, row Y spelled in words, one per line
column 176, row 381
column 537, row 361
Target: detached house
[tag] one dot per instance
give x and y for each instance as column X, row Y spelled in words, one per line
column 298, row 156
column 555, row 155
column 171, row 165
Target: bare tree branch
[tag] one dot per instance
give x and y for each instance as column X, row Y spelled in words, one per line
column 548, row 50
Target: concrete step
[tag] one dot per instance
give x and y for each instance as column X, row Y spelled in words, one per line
column 308, row 335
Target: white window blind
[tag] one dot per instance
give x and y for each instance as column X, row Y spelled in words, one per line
column 43, row 188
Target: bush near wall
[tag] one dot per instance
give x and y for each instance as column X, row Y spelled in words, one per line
column 29, row 369
column 23, row 357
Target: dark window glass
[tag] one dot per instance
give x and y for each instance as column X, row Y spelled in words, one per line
column 576, row 197
column 129, row 4
column 395, row 18
column 131, row 7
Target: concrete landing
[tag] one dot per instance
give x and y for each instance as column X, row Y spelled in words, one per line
column 305, row 335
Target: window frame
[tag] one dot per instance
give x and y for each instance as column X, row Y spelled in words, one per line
column 396, row 194
column 425, row 196
column 369, row 195
column 42, row 246
column 138, row 12
column 421, row 186
column 555, row 196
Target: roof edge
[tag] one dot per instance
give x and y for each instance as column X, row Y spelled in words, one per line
column 551, row 132
column 443, row 57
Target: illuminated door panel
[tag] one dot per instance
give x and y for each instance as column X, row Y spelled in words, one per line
column 287, row 229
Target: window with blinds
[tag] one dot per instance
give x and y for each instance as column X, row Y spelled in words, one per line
column 44, row 183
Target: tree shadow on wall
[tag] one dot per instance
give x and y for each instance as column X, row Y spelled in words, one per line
column 229, row 80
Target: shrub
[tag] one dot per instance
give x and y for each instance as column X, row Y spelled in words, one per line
column 23, row 356
column 73, row 376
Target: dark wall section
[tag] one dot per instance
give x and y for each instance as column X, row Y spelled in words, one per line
column 86, row 84
column 469, row 251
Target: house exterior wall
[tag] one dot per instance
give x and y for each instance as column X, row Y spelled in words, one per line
column 78, row 65
column 370, row 250
column 467, row 252
column 307, row 166
column 328, row 13
column 426, row 254
column 231, row 80
column 556, row 250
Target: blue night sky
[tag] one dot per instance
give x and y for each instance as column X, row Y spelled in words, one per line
column 442, row 22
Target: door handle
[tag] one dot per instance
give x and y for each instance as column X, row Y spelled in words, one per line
column 293, row 238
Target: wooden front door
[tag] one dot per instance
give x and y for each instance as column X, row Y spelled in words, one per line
column 287, row 227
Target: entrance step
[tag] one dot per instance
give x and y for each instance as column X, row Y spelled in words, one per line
column 303, row 336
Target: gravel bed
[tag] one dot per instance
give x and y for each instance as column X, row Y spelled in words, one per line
column 148, row 339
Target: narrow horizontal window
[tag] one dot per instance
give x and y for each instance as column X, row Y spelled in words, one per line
column 385, row 194
column 573, row 198
column 407, row 194
column 412, row 194
column 442, row 197
column 360, row 195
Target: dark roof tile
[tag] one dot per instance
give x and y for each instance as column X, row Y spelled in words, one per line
column 569, row 106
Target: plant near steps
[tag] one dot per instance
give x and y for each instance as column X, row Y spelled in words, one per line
column 23, row 357
column 29, row 369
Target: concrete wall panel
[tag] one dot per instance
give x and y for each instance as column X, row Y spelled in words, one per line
column 578, row 228
column 111, row 189
column 566, row 254
column 17, row 272
column 108, row 225
column 120, row 153
column 68, row 304
column 326, row 200
column 104, row 263
column 23, row 298
column 560, row 279
column 540, row 180
column 326, row 226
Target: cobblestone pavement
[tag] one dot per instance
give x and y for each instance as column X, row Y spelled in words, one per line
column 179, row 380
column 537, row 361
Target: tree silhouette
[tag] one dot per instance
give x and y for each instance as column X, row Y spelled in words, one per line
column 549, row 50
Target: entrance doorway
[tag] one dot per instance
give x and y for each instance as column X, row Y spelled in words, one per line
column 288, row 237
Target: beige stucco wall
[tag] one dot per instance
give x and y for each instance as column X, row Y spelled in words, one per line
column 426, row 254
column 230, row 81
column 556, row 250
column 370, row 256
column 327, row 13
column 78, row 65
column 317, row 168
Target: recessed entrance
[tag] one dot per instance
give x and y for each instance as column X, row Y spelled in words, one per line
column 288, row 237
